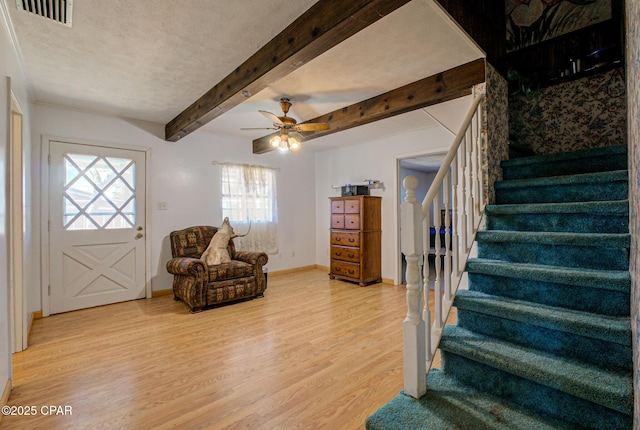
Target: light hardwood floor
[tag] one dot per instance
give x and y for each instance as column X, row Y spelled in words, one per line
column 312, row 354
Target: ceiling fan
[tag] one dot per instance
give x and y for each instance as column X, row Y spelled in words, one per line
column 288, row 127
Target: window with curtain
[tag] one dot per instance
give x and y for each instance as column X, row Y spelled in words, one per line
column 249, row 197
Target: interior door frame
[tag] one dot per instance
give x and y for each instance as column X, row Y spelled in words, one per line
column 431, row 151
column 15, row 215
column 44, row 221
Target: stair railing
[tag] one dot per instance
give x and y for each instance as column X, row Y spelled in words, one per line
column 456, row 203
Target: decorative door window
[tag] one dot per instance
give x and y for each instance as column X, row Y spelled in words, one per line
column 99, row 192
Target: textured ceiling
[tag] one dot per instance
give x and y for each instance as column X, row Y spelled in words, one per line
column 150, row 59
column 425, row 163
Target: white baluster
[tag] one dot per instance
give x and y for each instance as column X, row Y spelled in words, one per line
column 455, row 216
column 426, row 312
column 447, row 236
column 463, row 196
column 474, row 174
column 469, row 180
column 413, row 326
column 437, row 289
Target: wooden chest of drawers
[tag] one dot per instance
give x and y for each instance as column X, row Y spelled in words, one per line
column 355, row 239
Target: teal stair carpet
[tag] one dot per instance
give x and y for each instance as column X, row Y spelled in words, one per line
column 543, row 337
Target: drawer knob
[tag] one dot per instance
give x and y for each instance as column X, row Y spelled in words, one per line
column 351, row 272
column 351, row 255
column 351, row 239
column 337, row 269
column 338, row 239
column 338, row 254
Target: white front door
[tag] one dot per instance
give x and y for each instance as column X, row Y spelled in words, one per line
column 96, row 232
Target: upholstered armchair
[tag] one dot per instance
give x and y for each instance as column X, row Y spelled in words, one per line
column 199, row 285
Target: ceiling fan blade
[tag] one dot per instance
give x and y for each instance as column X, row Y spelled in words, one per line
column 274, row 119
column 259, row 128
column 317, row 126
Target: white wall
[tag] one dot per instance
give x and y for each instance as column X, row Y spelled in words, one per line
column 10, row 66
column 372, row 160
column 182, row 175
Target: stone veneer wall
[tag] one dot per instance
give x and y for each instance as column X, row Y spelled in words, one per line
column 633, row 115
column 586, row 113
column 496, row 144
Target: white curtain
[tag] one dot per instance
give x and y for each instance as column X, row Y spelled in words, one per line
column 249, row 198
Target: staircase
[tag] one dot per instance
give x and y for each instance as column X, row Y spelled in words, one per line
column 543, row 338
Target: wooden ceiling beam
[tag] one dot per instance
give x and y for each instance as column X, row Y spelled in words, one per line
column 442, row 87
column 320, row 28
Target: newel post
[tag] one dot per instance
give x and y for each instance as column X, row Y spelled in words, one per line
column 413, row 327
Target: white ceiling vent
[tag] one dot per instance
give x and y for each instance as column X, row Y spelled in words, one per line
column 56, row 10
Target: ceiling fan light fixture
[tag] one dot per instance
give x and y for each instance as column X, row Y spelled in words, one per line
column 284, row 146
column 275, row 141
column 288, row 136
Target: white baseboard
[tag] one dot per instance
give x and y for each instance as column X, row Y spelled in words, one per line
column 5, row 395
column 293, row 270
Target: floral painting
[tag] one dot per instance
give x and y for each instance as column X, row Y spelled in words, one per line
column 534, row 21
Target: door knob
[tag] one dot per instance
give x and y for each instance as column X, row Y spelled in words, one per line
column 139, row 235
column 139, row 228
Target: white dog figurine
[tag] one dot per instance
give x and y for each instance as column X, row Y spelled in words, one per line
column 216, row 252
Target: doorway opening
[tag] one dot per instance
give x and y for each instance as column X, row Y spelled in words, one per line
column 424, row 167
